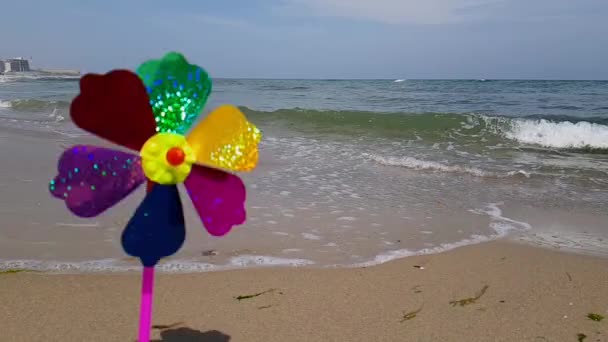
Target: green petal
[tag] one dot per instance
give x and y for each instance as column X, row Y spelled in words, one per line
column 177, row 89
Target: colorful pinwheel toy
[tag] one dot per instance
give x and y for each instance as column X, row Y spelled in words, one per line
column 150, row 112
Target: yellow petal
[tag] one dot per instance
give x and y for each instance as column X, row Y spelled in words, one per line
column 226, row 140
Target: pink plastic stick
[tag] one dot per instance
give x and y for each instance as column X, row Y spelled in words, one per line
column 145, row 313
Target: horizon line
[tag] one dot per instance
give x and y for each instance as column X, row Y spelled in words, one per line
column 404, row 79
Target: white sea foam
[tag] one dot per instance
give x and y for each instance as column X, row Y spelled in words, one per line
column 500, row 224
column 418, row 164
column 309, row 236
column 256, row 260
column 347, row 218
column 170, row 266
column 291, row 250
column 585, row 242
column 559, row 134
column 78, row 225
column 36, row 76
column 102, row 265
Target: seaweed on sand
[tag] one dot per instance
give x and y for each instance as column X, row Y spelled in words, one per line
column 264, row 307
column 168, row 326
column 410, row 315
column 239, row 298
column 13, row 271
column 471, row 300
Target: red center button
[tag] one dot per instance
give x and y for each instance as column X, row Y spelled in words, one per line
column 175, row 156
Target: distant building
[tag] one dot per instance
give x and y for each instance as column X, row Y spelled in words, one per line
column 19, row 64
column 14, row 65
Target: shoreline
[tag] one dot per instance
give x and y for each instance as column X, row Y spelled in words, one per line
column 500, row 291
column 255, row 262
column 304, row 209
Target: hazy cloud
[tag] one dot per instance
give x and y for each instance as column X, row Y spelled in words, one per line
column 552, row 39
column 392, row 11
column 220, row 21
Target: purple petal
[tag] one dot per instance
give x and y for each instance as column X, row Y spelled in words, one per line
column 92, row 179
column 219, row 198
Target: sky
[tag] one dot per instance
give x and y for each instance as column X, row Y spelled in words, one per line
column 327, row 39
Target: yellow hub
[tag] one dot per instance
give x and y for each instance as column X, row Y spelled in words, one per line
column 167, row 158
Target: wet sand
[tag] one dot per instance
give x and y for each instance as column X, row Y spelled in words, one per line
column 288, row 222
column 495, row 291
column 306, row 217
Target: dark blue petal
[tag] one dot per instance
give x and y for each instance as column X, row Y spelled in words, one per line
column 157, row 228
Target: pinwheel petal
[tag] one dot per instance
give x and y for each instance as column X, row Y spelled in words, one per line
column 219, row 198
column 115, row 107
column 178, row 91
column 157, row 228
column 92, row 179
column 226, row 140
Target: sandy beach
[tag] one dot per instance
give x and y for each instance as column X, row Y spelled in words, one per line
column 496, row 291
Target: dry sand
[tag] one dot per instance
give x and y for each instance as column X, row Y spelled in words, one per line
column 531, row 294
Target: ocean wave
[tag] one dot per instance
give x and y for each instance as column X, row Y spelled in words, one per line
column 418, row 164
column 286, row 88
column 575, row 134
column 34, row 105
column 37, row 77
column 563, row 135
column 33, row 113
column 578, row 134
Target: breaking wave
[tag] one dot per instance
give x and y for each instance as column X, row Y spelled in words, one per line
column 34, row 105
column 565, row 135
column 571, row 133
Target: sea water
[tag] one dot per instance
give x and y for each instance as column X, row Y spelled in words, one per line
column 352, row 172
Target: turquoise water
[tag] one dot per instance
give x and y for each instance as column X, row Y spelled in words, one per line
column 350, row 167
column 490, row 127
column 512, row 98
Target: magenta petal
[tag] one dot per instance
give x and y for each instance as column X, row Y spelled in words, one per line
column 219, row 198
column 92, row 179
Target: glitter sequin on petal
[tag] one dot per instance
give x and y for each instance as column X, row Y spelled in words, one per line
column 92, row 179
column 226, row 140
column 177, row 90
